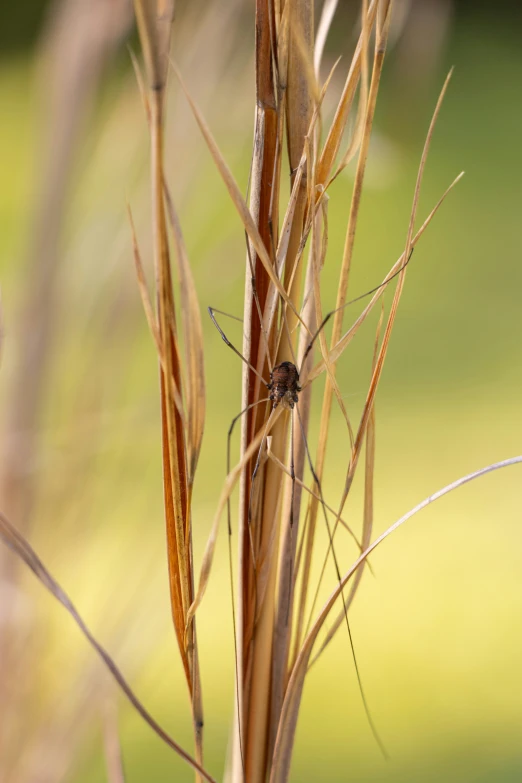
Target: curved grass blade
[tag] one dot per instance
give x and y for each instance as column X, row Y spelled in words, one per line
column 288, row 722
column 23, row 550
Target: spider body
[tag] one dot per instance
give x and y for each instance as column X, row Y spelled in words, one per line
column 284, row 385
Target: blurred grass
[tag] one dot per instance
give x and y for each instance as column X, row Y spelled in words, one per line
column 437, row 630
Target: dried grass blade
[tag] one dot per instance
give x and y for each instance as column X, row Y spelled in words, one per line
column 193, row 337
column 289, row 715
column 284, row 237
column 154, row 25
column 395, row 304
column 343, row 342
column 335, row 134
column 357, row 135
column 149, row 310
column 320, row 227
column 378, row 364
column 368, row 505
column 154, row 19
column 23, row 550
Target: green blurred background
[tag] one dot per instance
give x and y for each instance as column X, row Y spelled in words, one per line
column 438, row 630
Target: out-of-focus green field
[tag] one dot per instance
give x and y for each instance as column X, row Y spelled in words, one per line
column 438, row 631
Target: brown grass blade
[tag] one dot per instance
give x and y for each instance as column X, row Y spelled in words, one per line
column 193, row 336
column 289, row 715
column 23, row 550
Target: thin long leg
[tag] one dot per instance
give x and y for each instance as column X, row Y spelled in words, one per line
column 339, row 577
column 328, row 508
column 211, row 311
column 254, row 475
column 352, row 301
column 229, row 438
column 231, row 573
column 292, row 501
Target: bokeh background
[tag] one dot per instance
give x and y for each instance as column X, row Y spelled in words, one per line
column 438, row 630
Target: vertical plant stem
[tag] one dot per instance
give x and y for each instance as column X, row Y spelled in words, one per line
column 285, row 589
column 264, row 206
column 298, row 115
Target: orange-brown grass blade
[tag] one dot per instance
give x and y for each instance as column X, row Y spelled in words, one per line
column 287, row 725
column 23, row 550
column 154, row 19
column 173, row 444
column 193, row 338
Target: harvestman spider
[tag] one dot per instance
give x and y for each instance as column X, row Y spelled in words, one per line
column 284, row 390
